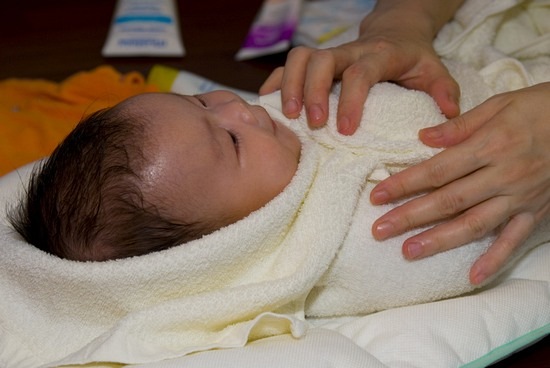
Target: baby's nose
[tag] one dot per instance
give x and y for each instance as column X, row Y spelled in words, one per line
column 237, row 111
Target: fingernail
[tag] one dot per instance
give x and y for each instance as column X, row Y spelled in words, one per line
column 291, row 106
column 454, row 98
column 344, row 126
column 478, row 275
column 415, row 250
column 384, row 230
column 432, row 133
column 315, row 114
column 380, row 197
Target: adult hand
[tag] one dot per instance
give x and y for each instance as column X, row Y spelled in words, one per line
column 379, row 54
column 495, row 173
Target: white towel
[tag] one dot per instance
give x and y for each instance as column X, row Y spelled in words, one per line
column 245, row 281
column 253, row 279
column 367, row 275
column 507, row 41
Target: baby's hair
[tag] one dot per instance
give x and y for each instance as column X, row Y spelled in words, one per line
column 84, row 202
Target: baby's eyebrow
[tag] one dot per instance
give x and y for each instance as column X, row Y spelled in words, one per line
column 219, row 149
column 183, row 97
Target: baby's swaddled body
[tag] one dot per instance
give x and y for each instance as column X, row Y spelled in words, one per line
column 367, row 275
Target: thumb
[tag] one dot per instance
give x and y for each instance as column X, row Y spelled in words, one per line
column 446, row 93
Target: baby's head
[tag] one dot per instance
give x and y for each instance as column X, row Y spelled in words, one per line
column 153, row 172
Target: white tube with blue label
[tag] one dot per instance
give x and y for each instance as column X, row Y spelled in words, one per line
column 144, row 28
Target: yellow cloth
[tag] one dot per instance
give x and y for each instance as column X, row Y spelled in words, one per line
column 35, row 115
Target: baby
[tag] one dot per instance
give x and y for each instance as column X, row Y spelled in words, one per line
column 272, row 214
column 156, row 171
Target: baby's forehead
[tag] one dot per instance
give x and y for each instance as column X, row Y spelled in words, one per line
column 140, row 110
column 140, row 101
column 149, row 108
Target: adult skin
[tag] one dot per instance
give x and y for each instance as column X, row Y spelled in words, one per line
column 495, row 170
column 395, row 44
column 495, row 173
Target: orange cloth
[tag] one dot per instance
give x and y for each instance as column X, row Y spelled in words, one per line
column 35, row 115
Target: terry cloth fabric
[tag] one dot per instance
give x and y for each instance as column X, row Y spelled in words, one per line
column 35, row 115
column 255, row 278
column 367, row 275
column 507, row 41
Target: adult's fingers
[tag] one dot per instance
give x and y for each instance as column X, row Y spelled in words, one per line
column 357, row 79
column 319, row 76
column 473, row 224
column 443, row 168
column 443, row 203
column 293, row 80
column 306, row 80
column 460, row 128
column 512, row 236
column 272, row 82
column 446, row 93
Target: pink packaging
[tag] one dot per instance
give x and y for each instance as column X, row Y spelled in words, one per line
column 272, row 29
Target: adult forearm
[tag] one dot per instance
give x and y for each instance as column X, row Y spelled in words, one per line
column 422, row 17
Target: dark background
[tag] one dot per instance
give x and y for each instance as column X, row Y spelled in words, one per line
column 53, row 39
column 56, row 38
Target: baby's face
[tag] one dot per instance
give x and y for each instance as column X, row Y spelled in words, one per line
column 214, row 155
